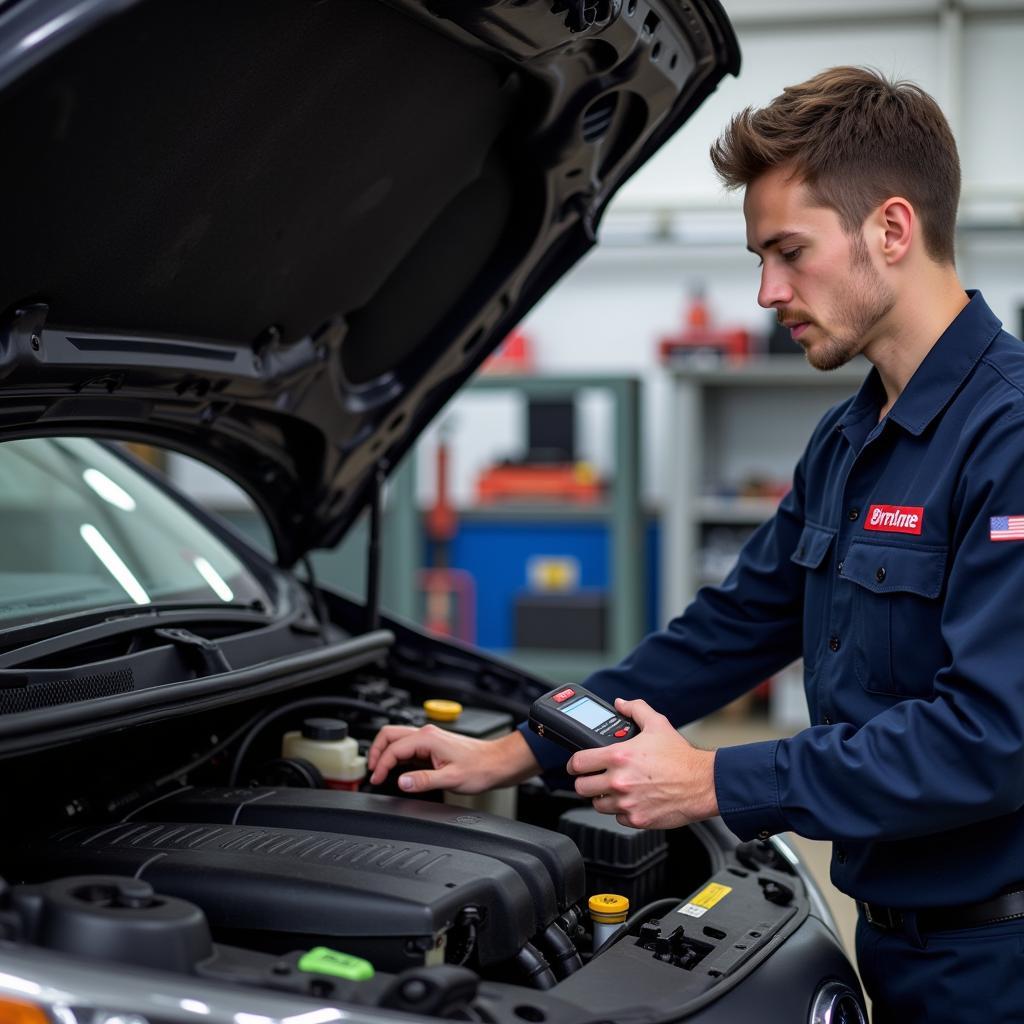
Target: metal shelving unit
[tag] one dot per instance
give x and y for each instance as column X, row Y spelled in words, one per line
column 733, row 420
column 625, row 615
column 622, row 510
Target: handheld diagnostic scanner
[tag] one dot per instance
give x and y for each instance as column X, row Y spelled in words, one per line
column 577, row 719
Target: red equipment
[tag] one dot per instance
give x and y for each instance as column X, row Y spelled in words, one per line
column 698, row 336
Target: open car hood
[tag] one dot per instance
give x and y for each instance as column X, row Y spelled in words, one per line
column 278, row 235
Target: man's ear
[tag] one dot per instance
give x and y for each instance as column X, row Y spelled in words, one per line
column 896, row 223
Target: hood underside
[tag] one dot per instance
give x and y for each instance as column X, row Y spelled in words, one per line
column 278, row 235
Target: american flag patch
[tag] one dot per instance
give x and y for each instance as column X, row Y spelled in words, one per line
column 1006, row 528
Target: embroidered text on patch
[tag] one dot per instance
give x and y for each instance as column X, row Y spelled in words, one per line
column 895, row 518
column 1006, row 528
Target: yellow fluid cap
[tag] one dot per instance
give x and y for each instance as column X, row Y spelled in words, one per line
column 442, row 710
column 607, row 906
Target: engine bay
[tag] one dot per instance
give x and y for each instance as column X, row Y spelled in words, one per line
column 248, row 867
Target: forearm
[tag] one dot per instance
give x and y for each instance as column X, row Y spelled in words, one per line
column 509, row 761
column 704, row 799
column 878, row 781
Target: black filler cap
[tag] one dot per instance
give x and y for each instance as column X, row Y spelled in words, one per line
column 324, row 729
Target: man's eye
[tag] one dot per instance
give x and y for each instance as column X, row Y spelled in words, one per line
column 791, row 254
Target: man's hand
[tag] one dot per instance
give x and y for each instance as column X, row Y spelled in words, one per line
column 654, row 780
column 460, row 763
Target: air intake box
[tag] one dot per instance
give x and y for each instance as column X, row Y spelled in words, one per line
column 281, row 889
column 629, row 861
column 548, row 864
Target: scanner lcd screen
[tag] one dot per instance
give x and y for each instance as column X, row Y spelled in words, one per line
column 589, row 712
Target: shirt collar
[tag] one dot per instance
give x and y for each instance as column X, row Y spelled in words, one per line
column 940, row 374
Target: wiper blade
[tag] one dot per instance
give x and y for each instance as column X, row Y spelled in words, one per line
column 28, row 643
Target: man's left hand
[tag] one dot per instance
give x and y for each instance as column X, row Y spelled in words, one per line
column 655, row 780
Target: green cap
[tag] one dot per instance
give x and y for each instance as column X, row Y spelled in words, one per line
column 322, row 960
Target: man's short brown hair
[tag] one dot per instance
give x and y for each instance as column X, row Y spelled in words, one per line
column 855, row 138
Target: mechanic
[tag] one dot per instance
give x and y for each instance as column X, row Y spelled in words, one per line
column 894, row 567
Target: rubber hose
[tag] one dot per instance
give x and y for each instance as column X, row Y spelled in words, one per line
column 297, row 705
column 538, row 973
column 564, row 957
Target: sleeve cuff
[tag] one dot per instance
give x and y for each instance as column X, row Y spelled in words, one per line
column 550, row 756
column 747, row 790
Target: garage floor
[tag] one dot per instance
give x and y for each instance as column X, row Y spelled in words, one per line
column 724, row 730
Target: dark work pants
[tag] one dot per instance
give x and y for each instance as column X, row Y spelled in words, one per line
column 967, row 976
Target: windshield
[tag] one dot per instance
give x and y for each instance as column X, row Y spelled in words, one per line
column 83, row 530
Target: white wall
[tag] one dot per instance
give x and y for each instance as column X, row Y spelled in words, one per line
column 608, row 314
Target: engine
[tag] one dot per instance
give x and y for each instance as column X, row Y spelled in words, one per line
column 260, row 864
column 401, row 883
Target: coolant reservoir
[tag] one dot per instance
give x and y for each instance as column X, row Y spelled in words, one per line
column 607, row 911
column 325, row 742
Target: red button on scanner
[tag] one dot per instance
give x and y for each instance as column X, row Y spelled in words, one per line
column 622, row 732
column 564, row 695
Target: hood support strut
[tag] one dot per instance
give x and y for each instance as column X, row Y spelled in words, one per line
column 373, row 549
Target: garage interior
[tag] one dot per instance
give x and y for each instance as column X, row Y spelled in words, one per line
column 644, row 418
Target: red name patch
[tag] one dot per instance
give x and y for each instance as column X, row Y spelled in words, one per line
column 895, row 518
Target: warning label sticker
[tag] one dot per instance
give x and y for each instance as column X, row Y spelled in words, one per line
column 705, row 900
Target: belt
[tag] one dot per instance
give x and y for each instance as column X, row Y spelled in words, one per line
column 1008, row 906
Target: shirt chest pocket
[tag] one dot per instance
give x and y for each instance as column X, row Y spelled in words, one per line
column 897, row 610
column 811, row 551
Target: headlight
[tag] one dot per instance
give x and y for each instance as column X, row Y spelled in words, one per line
column 836, row 1003
column 16, row 1011
column 43, row 987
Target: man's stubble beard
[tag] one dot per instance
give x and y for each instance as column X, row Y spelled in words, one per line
column 855, row 314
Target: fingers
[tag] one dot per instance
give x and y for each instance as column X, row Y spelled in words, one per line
column 623, row 813
column 586, row 762
column 640, row 711
column 382, row 740
column 427, row 779
column 404, row 746
column 592, row 785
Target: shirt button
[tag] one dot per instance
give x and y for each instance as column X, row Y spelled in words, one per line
column 840, row 427
column 880, row 574
column 853, row 515
column 839, row 568
column 833, row 643
column 827, row 720
column 840, row 854
column 764, row 835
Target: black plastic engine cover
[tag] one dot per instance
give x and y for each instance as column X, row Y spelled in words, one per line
column 110, row 917
column 389, row 901
column 549, row 864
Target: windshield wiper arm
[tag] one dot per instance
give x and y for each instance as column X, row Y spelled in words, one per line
column 33, row 648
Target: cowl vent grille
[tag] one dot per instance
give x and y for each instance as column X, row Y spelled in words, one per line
column 65, row 691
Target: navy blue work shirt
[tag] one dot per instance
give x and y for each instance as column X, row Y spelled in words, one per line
column 895, row 567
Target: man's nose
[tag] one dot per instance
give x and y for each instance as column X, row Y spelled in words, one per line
column 774, row 290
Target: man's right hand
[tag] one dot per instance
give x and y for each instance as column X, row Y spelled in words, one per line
column 459, row 763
